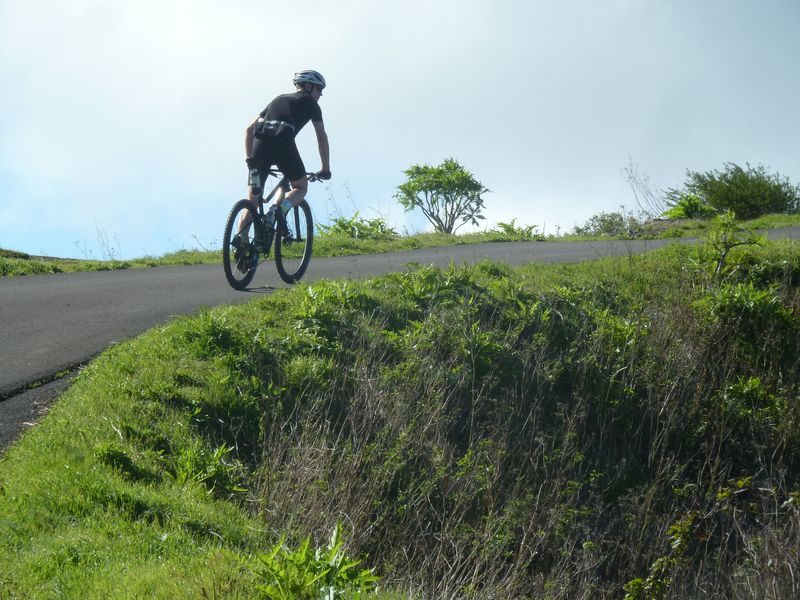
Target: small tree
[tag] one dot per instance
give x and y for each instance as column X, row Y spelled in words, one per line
column 726, row 235
column 448, row 195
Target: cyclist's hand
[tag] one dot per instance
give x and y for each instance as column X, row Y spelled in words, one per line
column 324, row 175
column 250, row 162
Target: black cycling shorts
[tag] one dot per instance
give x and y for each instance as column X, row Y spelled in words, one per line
column 269, row 151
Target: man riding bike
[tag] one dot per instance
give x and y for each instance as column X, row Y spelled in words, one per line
column 269, row 140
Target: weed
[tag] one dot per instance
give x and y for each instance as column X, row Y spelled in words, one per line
column 306, row 574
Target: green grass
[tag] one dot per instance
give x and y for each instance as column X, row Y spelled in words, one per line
column 17, row 263
column 698, row 228
column 566, row 430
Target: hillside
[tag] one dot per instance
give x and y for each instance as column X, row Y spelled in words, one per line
column 625, row 426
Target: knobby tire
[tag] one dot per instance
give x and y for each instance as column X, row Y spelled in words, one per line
column 293, row 250
column 240, row 259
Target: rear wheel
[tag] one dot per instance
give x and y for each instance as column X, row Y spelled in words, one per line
column 293, row 245
column 240, row 244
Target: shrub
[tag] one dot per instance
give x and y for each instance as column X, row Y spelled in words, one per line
column 749, row 192
column 613, row 224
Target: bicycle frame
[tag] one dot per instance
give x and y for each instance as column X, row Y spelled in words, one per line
column 283, row 183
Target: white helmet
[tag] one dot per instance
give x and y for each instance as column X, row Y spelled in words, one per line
column 309, row 77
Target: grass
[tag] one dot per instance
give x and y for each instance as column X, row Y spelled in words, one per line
column 698, row 228
column 17, row 263
column 621, row 427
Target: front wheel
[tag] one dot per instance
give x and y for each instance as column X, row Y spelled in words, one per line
column 240, row 246
column 293, row 244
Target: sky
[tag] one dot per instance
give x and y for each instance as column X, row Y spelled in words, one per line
column 122, row 122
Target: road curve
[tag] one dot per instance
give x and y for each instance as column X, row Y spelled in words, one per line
column 52, row 323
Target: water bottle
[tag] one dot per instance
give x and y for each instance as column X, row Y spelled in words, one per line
column 254, row 180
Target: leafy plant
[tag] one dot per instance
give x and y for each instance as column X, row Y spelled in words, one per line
column 658, row 581
column 688, row 206
column 214, row 468
column 359, row 228
column 448, row 195
column 305, row 574
column 521, row 233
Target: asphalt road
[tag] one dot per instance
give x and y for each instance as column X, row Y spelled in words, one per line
column 54, row 323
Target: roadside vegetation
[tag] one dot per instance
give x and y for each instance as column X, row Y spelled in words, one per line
column 357, row 235
column 620, row 428
column 450, row 197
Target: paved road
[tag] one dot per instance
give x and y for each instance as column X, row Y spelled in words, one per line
column 52, row 323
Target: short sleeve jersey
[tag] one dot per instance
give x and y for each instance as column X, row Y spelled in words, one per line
column 297, row 109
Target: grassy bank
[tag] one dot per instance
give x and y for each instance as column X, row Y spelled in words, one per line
column 626, row 426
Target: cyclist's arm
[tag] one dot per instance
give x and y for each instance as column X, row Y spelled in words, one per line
column 248, row 137
column 322, row 142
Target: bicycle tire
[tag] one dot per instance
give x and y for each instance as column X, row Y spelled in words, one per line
column 293, row 246
column 240, row 258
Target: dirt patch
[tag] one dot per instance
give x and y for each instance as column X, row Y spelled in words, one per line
column 21, row 412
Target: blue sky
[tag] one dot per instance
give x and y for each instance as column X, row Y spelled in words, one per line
column 122, row 122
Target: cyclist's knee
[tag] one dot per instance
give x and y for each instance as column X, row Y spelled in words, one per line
column 301, row 183
column 300, row 186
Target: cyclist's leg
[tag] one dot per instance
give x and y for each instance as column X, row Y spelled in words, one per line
column 265, row 153
column 291, row 165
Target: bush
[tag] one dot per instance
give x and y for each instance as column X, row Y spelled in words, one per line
column 613, row 224
column 359, row 229
column 749, row 192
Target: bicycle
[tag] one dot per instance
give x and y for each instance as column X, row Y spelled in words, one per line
column 248, row 236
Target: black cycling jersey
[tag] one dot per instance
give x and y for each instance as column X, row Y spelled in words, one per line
column 274, row 143
column 286, row 115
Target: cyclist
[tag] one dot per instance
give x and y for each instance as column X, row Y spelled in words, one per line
column 269, row 140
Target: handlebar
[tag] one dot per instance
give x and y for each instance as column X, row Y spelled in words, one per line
column 311, row 176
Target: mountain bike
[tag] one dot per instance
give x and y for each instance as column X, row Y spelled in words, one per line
column 249, row 236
